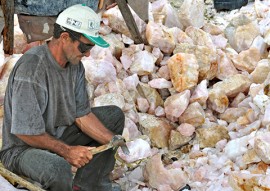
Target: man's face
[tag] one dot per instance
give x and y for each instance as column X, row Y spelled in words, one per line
column 79, row 48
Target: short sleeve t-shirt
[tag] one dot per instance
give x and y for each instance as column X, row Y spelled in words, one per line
column 41, row 96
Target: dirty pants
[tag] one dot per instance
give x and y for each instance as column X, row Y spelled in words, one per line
column 54, row 172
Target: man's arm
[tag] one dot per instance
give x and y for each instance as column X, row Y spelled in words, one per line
column 77, row 156
column 91, row 126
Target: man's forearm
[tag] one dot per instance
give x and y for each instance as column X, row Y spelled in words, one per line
column 77, row 156
column 45, row 141
column 92, row 127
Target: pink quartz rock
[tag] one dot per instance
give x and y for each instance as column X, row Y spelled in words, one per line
column 160, row 83
column 186, row 129
column 176, row 104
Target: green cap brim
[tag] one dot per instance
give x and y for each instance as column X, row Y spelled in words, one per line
column 98, row 41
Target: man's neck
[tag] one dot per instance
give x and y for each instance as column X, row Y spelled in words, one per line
column 57, row 52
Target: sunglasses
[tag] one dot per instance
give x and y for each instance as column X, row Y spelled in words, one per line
column 83, row 48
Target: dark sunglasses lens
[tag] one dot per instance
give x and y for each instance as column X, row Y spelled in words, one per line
column 84, row 47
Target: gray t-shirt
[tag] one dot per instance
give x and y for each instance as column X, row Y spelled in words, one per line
column 41, row 96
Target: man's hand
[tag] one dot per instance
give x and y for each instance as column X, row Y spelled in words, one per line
column 78, row 156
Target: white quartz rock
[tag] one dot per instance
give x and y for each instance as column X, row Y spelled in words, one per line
column 266, row 117
column 238, row 146
column 247, row 60
column 200, row 94
column 138, row 148
column 110, row 99
column 225, row 66
column 159, row 112
column 160, row 83
column 240, row 97
column 262, row 146
column 250, row 128
column 160, row 36
column 233, row 85
column 200, row 37
column 158, row 54
column 99, row 71
column 143, row 104
column 259, row 43
column 219, row 41
column 261, row 71
column 171, row 17
column 191, row 13
column 241, row 32
column 131, row 82
column 131, row 130
column 127, row 40
column 262, row 10
column 261, row 101
column 6, row 186
column 116, row 21
column 212, row 29
column 181, row 36
column 143, row 63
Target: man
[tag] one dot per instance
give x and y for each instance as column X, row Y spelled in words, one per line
column 48, row 124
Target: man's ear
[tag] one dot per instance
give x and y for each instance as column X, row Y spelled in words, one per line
column 64, row 36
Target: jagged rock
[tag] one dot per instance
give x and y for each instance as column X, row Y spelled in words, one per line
column 244, row 181
column 247, row 59
column 233, row 85
column 190, row 13
column 208, row 137
column 177, row 140
column 157, row 129
column 176, row 104
column 150, row 94
column 262, row 147
column 193, row 115
column 110, row 99
column 205, row 56
column 183, row 71
column 261, row 71
column 161, row 178
column 217, row 100
column 143, row 63
column 160, row 36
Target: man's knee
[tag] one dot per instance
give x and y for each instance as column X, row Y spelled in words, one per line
column 61, row 174
column 119, row 114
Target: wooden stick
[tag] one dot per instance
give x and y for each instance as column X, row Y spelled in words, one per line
column 100, row 4
column 15, row 178
column 101, row 149
column 8, row 31
column 130, row 22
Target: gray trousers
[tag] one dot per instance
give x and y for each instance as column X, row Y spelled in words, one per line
column 54, row 173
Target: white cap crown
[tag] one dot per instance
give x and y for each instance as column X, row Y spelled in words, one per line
column 84, row 20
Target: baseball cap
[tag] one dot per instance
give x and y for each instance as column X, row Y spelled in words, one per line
column 82, row 19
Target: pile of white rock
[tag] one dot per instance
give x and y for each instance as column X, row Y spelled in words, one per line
column 195, row 95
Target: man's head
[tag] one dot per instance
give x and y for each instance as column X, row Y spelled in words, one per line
column 82, row 19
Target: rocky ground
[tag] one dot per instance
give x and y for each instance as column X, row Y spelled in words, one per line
column 195, row 95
